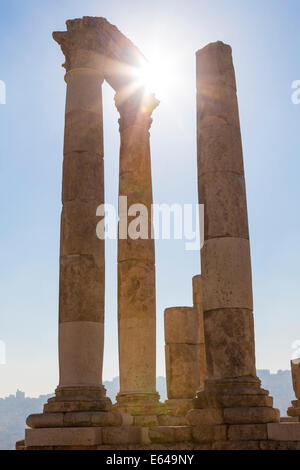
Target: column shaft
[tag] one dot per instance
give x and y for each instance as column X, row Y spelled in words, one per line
column 232, row 393
column 136, row 259
column 82, row 265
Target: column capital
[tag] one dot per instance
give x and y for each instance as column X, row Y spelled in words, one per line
column 135, row 109
column 84, row 43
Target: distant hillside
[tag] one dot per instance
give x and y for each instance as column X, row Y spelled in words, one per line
column 15, row 408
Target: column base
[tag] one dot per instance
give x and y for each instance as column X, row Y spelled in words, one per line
column 139, row 404
column 233, row 401
column 69, row 399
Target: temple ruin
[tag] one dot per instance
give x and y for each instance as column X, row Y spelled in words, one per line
column 215, row 400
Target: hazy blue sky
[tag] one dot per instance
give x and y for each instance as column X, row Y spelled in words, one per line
column 265, row 38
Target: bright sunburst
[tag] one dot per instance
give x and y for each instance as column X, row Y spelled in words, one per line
column 155, row 76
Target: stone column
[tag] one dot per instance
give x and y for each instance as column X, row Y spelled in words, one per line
column 82, row 256
column 232, row 390
column 182, row 340
column 136, row 259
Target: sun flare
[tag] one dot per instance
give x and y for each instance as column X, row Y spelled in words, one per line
column 154, row 76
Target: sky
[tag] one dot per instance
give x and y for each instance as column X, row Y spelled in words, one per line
column 264, row 35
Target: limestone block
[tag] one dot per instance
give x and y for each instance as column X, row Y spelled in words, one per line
column 84, row 90
column 50, row 420
column 214, row 65
column 124, row 435
column 226, row 271
column 284, row 431
column 225, row 207
column 230, row 349
column 145, row 421
column 295, row 366
column 205, row 416
column 83, row 132
column 251, row 415
column 81, row 353
column 83, row 177
column 78, row 231
column 92, row 418
column 209, row 433
column 63, row 437
column 179, row 407
column 181, row 325
column 232, row 399
column 167, row 420
column 289, row 419
column 236, row 445
column 182, row 370
column 162, row 434
column 248, row 432
column 219, row 147
column 78, row 405
column 81, row 294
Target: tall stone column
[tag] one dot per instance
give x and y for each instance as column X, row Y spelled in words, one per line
column 82, row 256
column 136, row 259
column 232, row 390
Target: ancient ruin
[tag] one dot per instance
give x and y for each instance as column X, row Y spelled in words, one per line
column 215, row 400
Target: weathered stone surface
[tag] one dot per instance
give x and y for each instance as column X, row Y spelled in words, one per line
column 284, row 431
column 50, row 420
column 225, row 208
column 226, row 270
column 289, row 419
column 229, row 343
column 83, row 132
column 81, row 295
column 236, row 445
column 295, row 366
column 182, row 325
column 163, row 434
column 169, row 420
column 63, row 437
column 182, row 370
column 80, row 359
column 215, row 101
column 219, row 147
column 83, row 178
column 146, row 421
column 205, row 416
column 179, row 407
column 251, row 415
column 209, row 433
column 54, row 406
column 232, row 399
column 78, row 419
column 214, row 65
column 248, row 432
column 124, row 435
column 78, row 231
column 84, row 91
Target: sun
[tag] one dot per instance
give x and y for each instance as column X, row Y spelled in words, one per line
column 154, row 77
